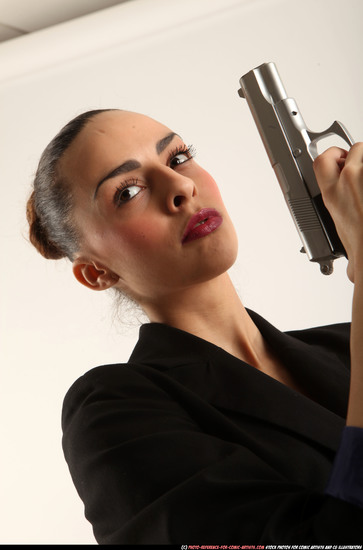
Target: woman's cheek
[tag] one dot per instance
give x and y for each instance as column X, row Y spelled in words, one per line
column 211, row 186
column 141, row 235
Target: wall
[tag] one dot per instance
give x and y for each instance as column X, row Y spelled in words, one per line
column 180, row 63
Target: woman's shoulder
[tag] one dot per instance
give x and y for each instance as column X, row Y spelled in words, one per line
column 329, row 339
column 118, row 385
column 113, row 376
column 104, row 382
column 333, row 339
column 335, row 335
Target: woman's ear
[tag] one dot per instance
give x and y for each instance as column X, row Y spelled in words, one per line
column 93, row 275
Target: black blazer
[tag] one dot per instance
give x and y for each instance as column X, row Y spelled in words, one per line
column 187, row 444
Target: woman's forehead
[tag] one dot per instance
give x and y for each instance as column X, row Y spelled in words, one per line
column 108, row 139
column 114, row 130
column 123, row 123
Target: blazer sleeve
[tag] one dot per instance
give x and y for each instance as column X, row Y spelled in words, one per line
column 148, row 474
column 346, row 478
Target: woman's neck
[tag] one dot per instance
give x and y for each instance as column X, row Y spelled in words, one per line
column 213, row 311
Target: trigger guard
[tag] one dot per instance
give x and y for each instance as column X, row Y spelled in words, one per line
column 337, row 128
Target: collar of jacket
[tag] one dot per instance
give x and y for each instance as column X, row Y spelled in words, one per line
column 213, row 375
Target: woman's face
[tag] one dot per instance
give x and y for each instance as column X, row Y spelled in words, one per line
column 136, row 189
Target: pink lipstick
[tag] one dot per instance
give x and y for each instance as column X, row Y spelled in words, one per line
column 202, row 224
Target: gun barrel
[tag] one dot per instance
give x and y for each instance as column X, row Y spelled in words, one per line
column 268, row 81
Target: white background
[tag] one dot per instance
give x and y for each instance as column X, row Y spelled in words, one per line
column 179, row 62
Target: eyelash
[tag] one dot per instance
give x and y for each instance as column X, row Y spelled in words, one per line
column 189, row 151
column 124, row 185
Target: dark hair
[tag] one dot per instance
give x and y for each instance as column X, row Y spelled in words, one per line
column 52, row 229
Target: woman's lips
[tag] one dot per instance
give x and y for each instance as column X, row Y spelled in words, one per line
column 202, row 224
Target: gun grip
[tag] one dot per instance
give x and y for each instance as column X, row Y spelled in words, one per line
column 329, row 226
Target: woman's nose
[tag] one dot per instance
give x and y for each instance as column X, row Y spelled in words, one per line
column 182, row 190
column 176, row 189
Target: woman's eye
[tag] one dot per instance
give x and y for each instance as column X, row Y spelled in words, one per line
column 126, row 193
column 181, row 155
column 180, row 158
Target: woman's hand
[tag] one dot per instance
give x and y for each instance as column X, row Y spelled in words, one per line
column 340, row 177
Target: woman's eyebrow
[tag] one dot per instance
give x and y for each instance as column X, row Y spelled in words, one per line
column 130, row 165
column 164, row 142
column 122, row 169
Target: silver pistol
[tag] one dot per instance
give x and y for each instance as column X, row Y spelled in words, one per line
column 292, row 148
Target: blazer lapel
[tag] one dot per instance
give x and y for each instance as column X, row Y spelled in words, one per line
column 226, row 382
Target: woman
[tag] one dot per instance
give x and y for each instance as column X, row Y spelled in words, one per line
column 219, row 429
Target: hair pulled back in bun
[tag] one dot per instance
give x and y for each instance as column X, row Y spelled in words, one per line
column 37, row 234
column 52, row 229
